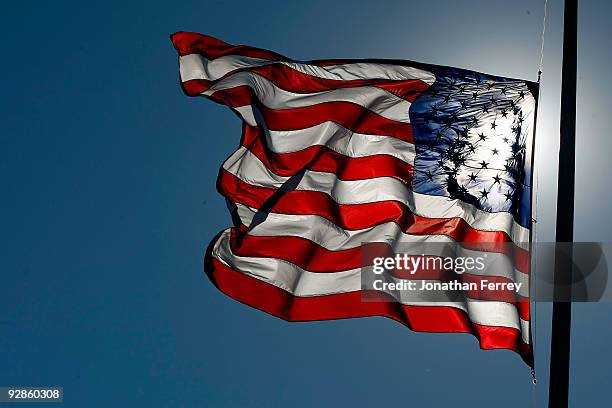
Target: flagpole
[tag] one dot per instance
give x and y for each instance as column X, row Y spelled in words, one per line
column 558, row 390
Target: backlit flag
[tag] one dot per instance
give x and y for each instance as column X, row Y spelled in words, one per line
column 337, row 153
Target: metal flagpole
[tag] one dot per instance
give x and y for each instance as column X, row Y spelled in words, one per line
column 558, row 390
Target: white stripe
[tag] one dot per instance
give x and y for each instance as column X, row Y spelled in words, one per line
column 247, row 114
column 247, row 167
column 339, row 139
column 377, row 100
column 299, row 282
column 330, row 236
column 195, row 66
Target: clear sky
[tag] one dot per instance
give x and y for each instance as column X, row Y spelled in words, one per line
column 108, row 202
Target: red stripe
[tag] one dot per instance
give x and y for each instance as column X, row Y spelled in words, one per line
column 350, row 115
column 295, row 81
column 280, row 303
column 307, row 254
column 367, row 215
column 283, row 76
column 314, row 258
column 324, row 159
column 193, row 43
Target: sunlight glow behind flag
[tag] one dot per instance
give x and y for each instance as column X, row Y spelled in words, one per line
column 336, row 153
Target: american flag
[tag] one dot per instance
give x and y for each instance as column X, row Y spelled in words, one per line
column 336, row 153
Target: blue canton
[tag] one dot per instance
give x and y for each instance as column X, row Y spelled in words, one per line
column 473, row 135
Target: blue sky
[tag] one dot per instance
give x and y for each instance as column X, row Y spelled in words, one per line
column 108, row 176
